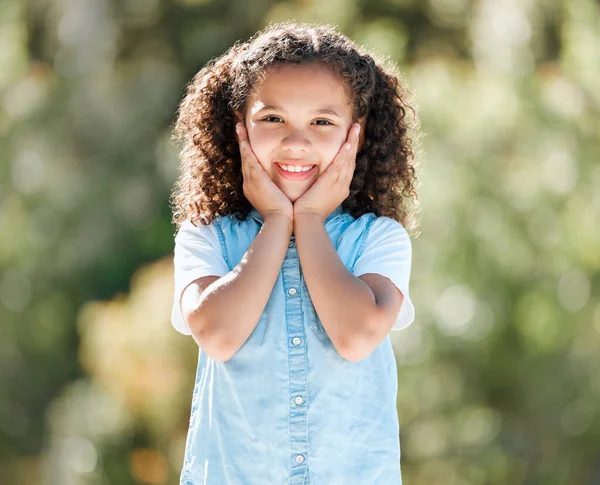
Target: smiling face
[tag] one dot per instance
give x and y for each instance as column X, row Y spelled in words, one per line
column 299, row 115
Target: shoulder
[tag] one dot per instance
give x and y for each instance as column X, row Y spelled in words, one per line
column 382, row 226
column 189, row 230
column 234, row 231
column 372, row 227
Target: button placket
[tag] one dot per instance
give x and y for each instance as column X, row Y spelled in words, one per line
column 297, row 366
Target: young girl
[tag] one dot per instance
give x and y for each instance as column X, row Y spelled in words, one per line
column 292, row 261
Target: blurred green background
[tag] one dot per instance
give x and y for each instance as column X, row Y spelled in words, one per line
column 499, row 375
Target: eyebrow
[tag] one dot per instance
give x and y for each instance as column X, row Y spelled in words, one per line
column 325, row 110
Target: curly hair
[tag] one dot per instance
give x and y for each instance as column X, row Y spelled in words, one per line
column 210, row 181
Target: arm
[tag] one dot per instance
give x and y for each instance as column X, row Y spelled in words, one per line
column 223, row 313
column 357, row 313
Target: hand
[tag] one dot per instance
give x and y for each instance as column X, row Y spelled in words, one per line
column 258, row 187
column 333, row 185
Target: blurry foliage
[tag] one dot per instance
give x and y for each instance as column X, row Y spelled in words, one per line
column 498, row 375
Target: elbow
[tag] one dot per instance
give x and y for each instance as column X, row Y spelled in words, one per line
column 354, row 351
column 359, row 347
column 219, row 355
column 349, row 356
column 353, row 354
column 214, row 347
column 361, row 343
column 211, row 343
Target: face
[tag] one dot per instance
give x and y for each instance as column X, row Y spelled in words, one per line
column 299, row 115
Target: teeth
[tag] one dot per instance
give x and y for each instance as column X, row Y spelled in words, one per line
column 296, row 168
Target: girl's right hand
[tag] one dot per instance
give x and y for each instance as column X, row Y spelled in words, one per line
column 258, row 187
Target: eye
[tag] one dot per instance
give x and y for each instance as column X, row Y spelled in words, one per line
column 326, row 121
column 271, row 117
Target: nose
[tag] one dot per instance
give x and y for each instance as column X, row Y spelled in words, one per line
column 296, row 141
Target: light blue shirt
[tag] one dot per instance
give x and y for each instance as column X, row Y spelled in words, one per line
column 287, row 409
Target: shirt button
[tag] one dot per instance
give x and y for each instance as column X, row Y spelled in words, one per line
column 299, row 459
column 296, row 341
column 292, row 291
column 298, row 400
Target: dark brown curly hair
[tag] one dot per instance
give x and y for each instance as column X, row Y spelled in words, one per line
column 210, row 182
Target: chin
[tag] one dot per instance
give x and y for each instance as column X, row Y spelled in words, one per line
column 295, row 195
column 293, row 198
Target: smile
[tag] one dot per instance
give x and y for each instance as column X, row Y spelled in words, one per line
column 300, row 175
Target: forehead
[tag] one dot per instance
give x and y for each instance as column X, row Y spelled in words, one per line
column 307, row 85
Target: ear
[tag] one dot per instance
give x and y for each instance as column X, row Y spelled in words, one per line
column 361, row 135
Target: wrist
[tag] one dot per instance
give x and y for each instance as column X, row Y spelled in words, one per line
column 280, row 219
column 308, row 217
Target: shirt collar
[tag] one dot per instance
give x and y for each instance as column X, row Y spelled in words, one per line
column 337, row 212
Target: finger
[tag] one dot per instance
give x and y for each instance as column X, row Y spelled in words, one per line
column 246, row 171
column 348, row 149
column 243, row 156
column 253, row 168
column 240, row 129
column 345, row 159
column 241, row 132
column 348, row 168
column 246, row 153
column 351, row 145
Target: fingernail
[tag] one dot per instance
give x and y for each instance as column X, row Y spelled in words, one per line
column 358, row 128
column 238, row 127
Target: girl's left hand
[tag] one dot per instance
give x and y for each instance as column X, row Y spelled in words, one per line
column 333, row 185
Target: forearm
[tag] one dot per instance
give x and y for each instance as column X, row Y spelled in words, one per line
column 344, row 303
column 231, row 306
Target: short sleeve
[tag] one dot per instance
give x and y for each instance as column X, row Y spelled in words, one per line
column 388, row 252
column 197, row 253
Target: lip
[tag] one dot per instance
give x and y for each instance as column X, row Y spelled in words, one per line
column 297, row 176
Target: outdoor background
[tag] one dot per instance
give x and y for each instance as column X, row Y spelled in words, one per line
column 499, row 375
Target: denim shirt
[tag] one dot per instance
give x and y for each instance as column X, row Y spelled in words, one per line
column 287, row 408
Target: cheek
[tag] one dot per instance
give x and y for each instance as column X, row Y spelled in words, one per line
column 324, row 166
column 328, row 151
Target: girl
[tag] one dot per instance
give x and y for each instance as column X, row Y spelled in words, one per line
column 292, row 260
